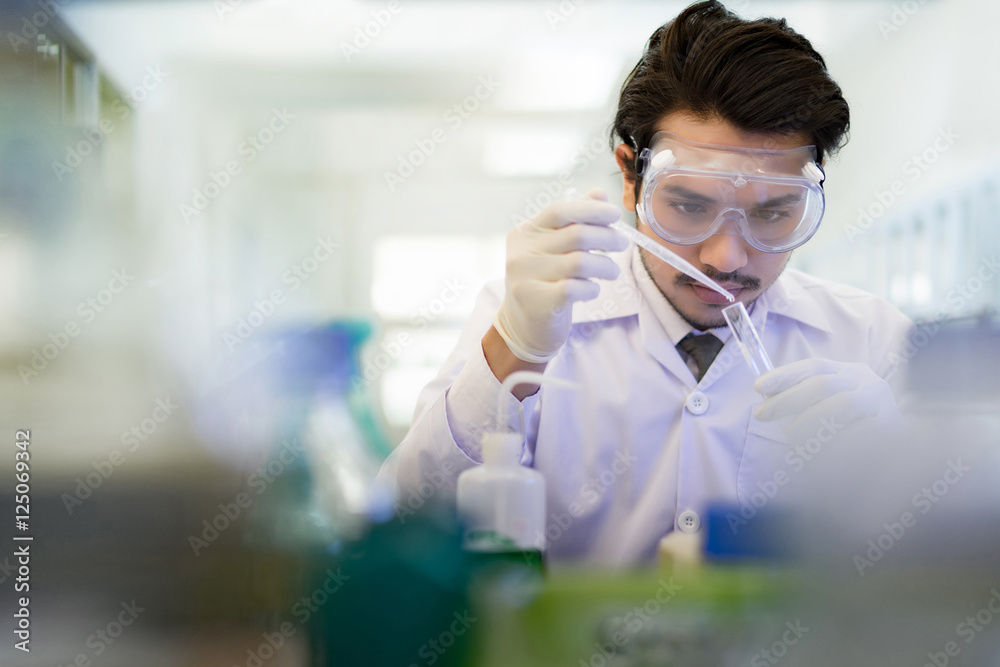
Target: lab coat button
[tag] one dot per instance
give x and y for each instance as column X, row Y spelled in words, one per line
column 688, row 522
column 697, row 403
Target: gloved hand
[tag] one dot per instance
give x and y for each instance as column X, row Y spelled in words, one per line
column 549, row 267
column 820, row 392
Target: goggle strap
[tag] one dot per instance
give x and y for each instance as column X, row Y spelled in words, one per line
column 642, row 161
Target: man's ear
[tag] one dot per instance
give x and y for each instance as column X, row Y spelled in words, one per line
column 625, row 156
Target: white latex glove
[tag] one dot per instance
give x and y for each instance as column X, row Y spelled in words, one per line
column 549, row 266
column 819, row 393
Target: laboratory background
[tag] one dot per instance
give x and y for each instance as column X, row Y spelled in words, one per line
column 237, row 237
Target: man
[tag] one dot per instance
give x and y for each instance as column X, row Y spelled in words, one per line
column 724, row 125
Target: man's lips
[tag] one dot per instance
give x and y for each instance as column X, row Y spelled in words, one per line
column 709, row 295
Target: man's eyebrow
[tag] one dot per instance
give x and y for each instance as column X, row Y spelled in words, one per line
column 681, row 191
column 784, row 200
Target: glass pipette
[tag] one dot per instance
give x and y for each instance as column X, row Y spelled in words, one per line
column 669, row 256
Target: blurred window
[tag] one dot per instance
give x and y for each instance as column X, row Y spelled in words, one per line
column 423, row 290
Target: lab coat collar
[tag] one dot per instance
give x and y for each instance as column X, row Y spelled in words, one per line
column 788, row 298
column 660, row 326
column 675, row 327
column 625, row 297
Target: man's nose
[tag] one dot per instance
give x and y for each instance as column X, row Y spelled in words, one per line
column 724, row 252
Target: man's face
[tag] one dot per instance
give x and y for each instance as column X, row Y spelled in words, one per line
column 726, row 258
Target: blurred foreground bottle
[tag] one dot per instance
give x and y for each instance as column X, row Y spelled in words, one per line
column 502, row 504
column 382, row 590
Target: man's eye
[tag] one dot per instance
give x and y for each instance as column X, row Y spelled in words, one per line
column 770, row 214
column 687, row 208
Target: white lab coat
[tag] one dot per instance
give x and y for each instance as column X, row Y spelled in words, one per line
column 641, row 448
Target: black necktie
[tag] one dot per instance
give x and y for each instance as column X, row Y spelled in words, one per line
column 703, row 349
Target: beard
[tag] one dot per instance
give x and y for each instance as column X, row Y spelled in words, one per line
column 747, row 282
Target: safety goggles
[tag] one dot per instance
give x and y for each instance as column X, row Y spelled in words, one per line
column 772, row 198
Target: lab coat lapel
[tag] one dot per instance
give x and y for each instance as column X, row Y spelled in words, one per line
column 659, row 346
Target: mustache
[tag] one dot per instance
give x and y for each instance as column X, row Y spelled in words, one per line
column 743, row 280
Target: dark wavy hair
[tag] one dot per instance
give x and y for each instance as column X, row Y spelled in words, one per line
column 759, row 76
